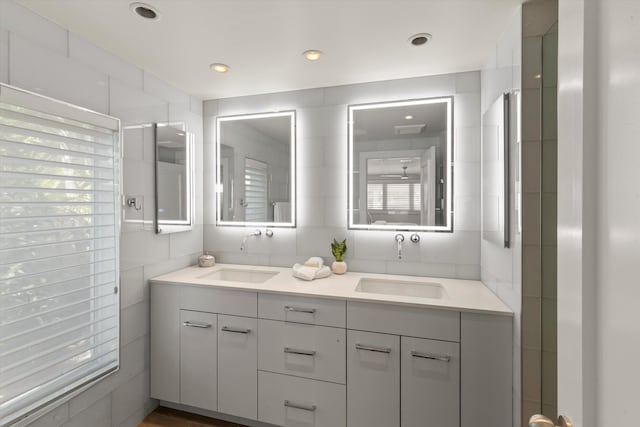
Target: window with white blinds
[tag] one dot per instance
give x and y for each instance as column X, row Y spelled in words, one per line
column 255, row 190
column 59, row 228
column 405, row 196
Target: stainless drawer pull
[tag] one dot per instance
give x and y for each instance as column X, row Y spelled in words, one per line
column 430, row 356
column 298, row 351
column 236, row 330
column 194, row 324
column 373, row 348
column 290, row 404
column 300, row 309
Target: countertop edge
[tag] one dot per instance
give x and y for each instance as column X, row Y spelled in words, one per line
column 170, row 279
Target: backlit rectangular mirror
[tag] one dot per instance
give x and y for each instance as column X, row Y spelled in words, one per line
column 495, row 173
column 255, row 179
column 400, row 156
column 174, row 178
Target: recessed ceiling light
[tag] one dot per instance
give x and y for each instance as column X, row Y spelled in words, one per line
column 409, row 117
column 144, row 10
column 219, row 67
column 312, row 54
column 420, row 39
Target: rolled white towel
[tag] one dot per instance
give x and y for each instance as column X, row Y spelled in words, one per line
column 304, row 272
column 314, row 261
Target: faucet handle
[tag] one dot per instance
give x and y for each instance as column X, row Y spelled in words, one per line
column 415, row 238
column 399, row 237
column 268, row 232
column 257, row 233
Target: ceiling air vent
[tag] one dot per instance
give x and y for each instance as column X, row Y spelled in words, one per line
column 408, row 129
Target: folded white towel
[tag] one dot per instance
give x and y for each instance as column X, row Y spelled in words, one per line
column 323, row 272
column 304, row 272
column 309, row 273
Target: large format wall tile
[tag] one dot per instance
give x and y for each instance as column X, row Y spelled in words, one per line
column 62, row 78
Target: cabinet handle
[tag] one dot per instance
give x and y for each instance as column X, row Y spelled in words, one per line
column 430, row 356
column 194, row 324
column 298, row 351
column 290, row 404
column 386, row 350
column 299, row 309
column 236, row 330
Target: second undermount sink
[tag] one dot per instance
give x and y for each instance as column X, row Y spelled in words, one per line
column 401, row 288
column 238, row 275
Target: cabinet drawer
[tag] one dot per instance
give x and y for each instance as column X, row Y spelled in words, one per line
column 308, row 351
column 430, row 378
column 402, row 320
column 221, row 301
column 315, row 311
column 291, row 401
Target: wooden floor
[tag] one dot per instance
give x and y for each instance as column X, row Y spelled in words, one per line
column 165, row 417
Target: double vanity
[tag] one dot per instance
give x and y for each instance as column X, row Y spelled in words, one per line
column 257, row 346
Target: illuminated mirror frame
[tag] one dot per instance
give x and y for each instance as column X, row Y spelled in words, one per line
column 448, row 214
column 292, row 171
column 165, row 226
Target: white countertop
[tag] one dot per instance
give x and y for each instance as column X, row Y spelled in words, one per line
column 460, row 295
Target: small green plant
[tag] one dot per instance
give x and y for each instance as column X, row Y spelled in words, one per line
column 339, row 249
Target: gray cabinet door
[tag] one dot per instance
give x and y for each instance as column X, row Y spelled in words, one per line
column 373, row 379
column 238, row 366
column 198, row 359
column 430, row 383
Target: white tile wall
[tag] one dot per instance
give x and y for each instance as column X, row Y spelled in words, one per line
column 4, row 55
column 501, row 267
column 87, row 53
column 132, row 286
column 322, row 182
column 39, row 55
column 39, row 69
column 19, row 20
column 96, row 415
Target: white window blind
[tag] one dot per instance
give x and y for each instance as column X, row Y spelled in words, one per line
column 59, row 230
column 255, row 190
column 404, row 196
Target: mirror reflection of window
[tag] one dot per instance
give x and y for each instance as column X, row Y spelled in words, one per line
column 399, row 154
column 255, row 190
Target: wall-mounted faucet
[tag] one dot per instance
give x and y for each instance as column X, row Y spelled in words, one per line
column 256, row 233
column 399, row 239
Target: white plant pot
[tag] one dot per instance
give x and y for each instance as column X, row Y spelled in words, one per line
column 339, row 267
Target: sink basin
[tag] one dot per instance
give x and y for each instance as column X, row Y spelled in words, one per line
column 401, row 288
column 243, row 276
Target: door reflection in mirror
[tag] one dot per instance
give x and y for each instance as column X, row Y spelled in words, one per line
column 173, row 170
column 399, row 159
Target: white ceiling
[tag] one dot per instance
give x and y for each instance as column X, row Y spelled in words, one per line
column 262, row 40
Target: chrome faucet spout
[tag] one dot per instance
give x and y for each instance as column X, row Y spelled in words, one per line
column 399, row 239
column 256, row 233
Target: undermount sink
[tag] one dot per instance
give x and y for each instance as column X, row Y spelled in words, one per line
column 401, row 288
column 243, row 276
